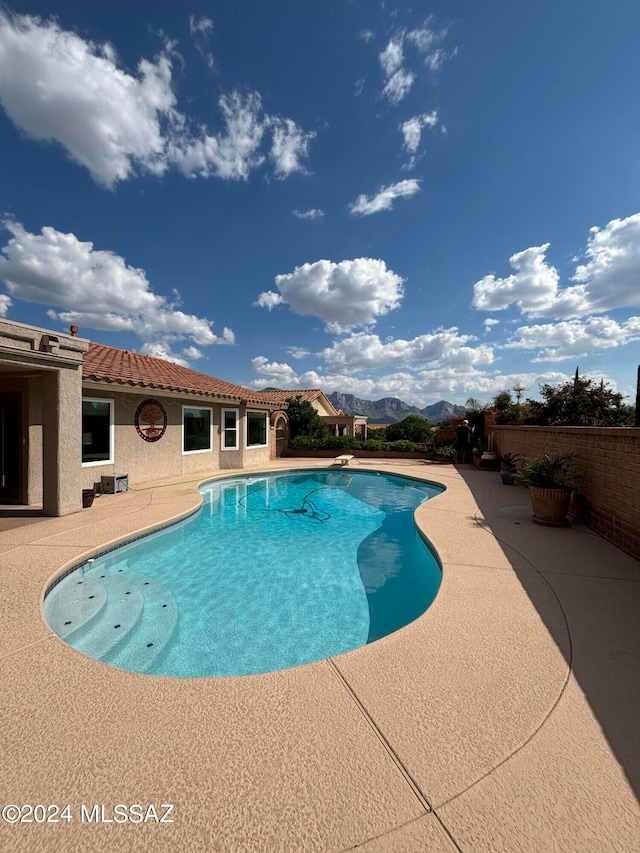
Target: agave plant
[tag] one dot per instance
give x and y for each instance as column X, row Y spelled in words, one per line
column 549, row 472
column 509, row 462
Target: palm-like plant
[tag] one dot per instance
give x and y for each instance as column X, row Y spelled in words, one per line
column 549, row 472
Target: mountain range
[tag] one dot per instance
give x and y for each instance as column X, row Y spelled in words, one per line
column 391, row 409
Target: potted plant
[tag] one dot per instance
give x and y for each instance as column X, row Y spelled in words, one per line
column 509, row 467
column 550, row 480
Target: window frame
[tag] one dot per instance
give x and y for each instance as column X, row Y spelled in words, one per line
column 223, row 429
column 266, row 429
column 204, row 449
column 112, row 407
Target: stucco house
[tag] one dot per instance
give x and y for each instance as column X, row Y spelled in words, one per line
column 337, row 422
column 72, row 411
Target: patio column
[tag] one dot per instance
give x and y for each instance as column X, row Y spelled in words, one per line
column 61, row 441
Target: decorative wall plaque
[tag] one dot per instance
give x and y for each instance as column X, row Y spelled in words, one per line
column 151, row 420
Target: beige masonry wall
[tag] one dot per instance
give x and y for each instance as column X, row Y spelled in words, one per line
column 144, row 461
column 609, row 459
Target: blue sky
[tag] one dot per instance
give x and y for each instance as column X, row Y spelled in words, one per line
column 430, row 202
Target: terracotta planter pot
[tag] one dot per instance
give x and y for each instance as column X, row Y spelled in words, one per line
column 550, row 506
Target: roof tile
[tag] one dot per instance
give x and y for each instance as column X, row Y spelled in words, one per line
column 103, row 363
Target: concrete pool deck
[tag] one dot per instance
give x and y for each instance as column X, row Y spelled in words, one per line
column 505, row 718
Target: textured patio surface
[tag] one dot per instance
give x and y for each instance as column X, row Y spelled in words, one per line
column 503, row 719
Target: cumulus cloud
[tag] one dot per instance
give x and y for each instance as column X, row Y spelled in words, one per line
column 5, row 304
column 367, row 351
column 383, row 200
column 611, row 273
column 192, row 353
column 312, row 213
column 533, row 287
column 95, row 289
column 57, row 87
column 298, row 352
column 574, row 338
column 344, row 295
column 607, row 280
column 489, row 323
column 418, row 388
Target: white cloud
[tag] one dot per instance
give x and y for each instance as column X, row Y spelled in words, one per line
column 418, row 388
column 392, row 57
column 274, row 373
column 57, row 87
column 312, row 213
column 611, row 274
column 412, row 133
column 163, row 350
column 367, row 35
column 489, row 323
column 366, row 351
column 202, row 26
column 398, row 85
column 298, row 352
column 607, row 280
column 425, row 39
column 233, row 154
column 269, row 300
column 290, row 144
column 5, row 304
column 94, row 288
column 534, row 288
column 201, row 29
column 383, row 200
column 398, row 81
column 192, row 353
column 344, row 295
column 574, row 338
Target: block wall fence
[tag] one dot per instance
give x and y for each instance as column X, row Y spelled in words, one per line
column 609, row 460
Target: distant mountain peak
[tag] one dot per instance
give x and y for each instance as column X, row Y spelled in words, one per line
column 392, row 409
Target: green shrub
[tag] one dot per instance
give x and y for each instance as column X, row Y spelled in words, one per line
column 402, row 446
column 373, row 444
column 412, row 428
column 339, row 442
column 446, row 451
column 304, row 442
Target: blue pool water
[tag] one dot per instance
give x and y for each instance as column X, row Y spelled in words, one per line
column 274, row 571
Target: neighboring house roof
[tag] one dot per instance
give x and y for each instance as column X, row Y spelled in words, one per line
column 121, row 367
column 309, row 395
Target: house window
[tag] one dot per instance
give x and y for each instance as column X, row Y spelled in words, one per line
column 196, row 430
column 97, row 431
column 257, row 429
column 229, row 429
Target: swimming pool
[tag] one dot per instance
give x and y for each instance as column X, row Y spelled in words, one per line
column 273, row 571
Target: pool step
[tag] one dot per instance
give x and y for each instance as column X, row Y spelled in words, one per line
column 124, row 605
column 114, row 614
column 74, row 603
column 153, row 632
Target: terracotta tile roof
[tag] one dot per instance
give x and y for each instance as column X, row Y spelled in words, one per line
column 280, row 396
column 121, row 367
